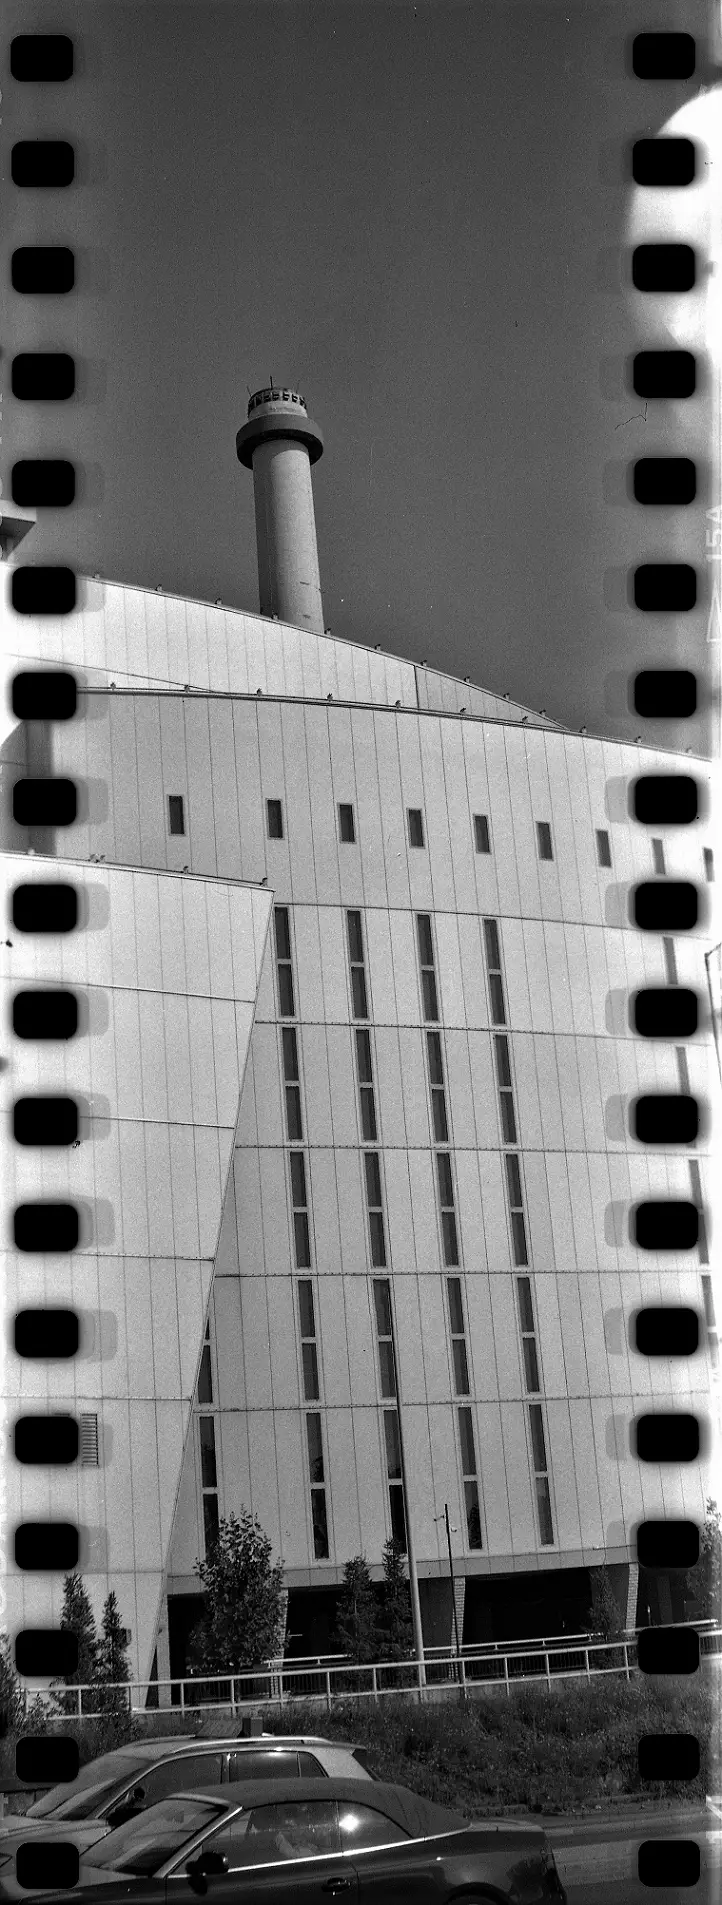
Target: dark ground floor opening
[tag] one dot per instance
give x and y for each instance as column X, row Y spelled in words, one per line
column 532, row 1606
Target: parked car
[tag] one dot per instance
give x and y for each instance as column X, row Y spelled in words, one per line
column 117, row 1786
column 268, row 1843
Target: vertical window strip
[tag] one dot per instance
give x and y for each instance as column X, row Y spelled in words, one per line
column 541, row 1474
column 319, row 1519
column 309, row 1348
column 670, row 962
column 493, row 965
column 658, row 859
column 506, row 1090
column 289, row 1049
column 459, row 1357
column 284, row 969
column 209, row 1477
column 516, row 1207
column 710, row 1319
column 394, row 1475
column 427, row 966
column 528, row 1336
column 357, row 963
column 385, row 1337
column 469, row 1476
column 708, row 860
column 274, row 819
column 435, row 1062
column 682, row 1068
column 346, row 823
column 445, row 1182
column 365, row 1077
column 176, row 814
column 374, row 1205
column 299, row 1205
column 204, row 1395
column 697, row 1199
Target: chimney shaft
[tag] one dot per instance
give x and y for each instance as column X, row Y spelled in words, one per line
column 279, row 443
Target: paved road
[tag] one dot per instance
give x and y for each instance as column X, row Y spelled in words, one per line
column 597, row 1859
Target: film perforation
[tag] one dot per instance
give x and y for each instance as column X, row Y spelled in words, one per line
column 41, row 58
column 42, row 163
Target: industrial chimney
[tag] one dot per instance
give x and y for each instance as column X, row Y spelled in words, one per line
column 279, row 443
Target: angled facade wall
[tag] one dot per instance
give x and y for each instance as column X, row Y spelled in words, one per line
column 166, row 972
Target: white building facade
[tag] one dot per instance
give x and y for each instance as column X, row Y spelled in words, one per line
column 402, row 1015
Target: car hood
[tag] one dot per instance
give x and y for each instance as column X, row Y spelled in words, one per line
column 90, row 1879
column 80, row 1832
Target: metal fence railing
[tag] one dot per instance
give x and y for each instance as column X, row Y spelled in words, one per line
column 323, row 1681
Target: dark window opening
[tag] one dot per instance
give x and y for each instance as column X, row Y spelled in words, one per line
column 544, row 839
column 416, row 827
column 274, row 819
column 347, row 830
column 481, row 833
column 604, row 851
column 176, row 816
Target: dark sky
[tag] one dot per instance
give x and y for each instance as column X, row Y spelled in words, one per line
column 411, row 213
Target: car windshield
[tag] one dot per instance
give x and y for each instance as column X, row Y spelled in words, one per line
column 99, row 1776
column 144, row 1844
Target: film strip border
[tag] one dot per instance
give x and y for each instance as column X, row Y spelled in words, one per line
column 660, row 906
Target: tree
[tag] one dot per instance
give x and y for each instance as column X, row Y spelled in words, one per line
column 604, row 1614
column 243, row 1607
column 357, row 1630
column 77, row 1618
column 395, row 1625
column 12, row 1703
column 703, row 1582
column 112, row 1659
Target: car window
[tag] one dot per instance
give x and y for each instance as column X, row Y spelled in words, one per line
column 272, row 1764
column 362, row 1827
column 181, row 1775
column 273, row 1835
column 109, row 1768
column 310, row 1768
column 145, row 1843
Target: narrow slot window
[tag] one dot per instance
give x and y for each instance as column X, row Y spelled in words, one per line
column 176, row 814
column 416, row 826
column 274, row 819
column 482, row 840
column 604, row 851
column 205, row 1377
column 670, row 962
column 346, row 825
column 544, row 840
column 708, row 858
column 658, row 856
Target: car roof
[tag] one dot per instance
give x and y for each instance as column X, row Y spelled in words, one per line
column 417, row 1815
column 195, row 1743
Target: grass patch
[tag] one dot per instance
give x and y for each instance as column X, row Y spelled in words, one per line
column 565, row 1749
